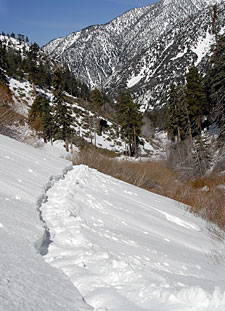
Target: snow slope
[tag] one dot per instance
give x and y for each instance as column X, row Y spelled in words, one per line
column 123, row 248
column 27, row 282
column 127, row 249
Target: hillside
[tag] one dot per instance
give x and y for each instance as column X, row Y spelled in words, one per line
column 33, row 78
column 122, row 247
column 142, row 49
column 27, row 282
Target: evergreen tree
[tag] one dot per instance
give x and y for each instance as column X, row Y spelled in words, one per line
column 97, row 99
column 130, row 120
column 214, row 21
column 3, row 64
column 217, row 85
column 31, row 63
column 20, row 37
column 196, row 99
column 40, row 117
column 62, row 114
column 177, row 113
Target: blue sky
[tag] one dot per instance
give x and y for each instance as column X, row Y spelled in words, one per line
column 44, row 20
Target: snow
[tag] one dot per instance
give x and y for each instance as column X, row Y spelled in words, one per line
column 179, row 55
column 118, row 246
column 127, row 249
column 203, row 47
column 27, row 282
column 134, row 81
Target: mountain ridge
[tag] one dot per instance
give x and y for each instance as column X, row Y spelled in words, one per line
column 98, row 52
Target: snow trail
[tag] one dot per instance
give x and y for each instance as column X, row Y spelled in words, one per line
column 27, row 282
column 127, row 249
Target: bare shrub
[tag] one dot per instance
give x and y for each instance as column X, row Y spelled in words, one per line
column 158, row 178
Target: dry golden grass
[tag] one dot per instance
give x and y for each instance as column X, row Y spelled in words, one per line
column 7, row 113
column 206, row 202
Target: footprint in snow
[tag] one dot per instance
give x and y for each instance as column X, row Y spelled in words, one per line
column 114, row 238
column 1, row 225
column 128, row 192
column 167, row 240
column 110, row 204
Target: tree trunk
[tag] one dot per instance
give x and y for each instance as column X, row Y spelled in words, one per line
column 129, row 149
column 135, row 143
column 44, row 137
column 67, row 145
column 34, row 88
column 71, row 145
column 178, row 135
column 199, row 124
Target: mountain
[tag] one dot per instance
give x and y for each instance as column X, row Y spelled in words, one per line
column 24, row 82
column 130, row 50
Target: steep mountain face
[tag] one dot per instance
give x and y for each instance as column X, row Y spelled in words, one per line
column 149, row 73
column 131, row 49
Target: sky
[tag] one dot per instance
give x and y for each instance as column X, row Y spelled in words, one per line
column 44, row 20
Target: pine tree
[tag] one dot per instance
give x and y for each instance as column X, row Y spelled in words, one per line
column 3, row 64
column 196, row 99
column 217, row 85
column 32, row 62
column 130, row 120
column 20, row 37
column 177, row 114
column 214, row 21
column 62, row 114
column 40, row 117
column 97, row 99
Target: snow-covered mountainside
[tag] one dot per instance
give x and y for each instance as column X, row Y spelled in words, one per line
column 20, row 93
column 27, row 282
column 128, row 50
column 15, row 43
column 83, row 125
column 150, row 73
